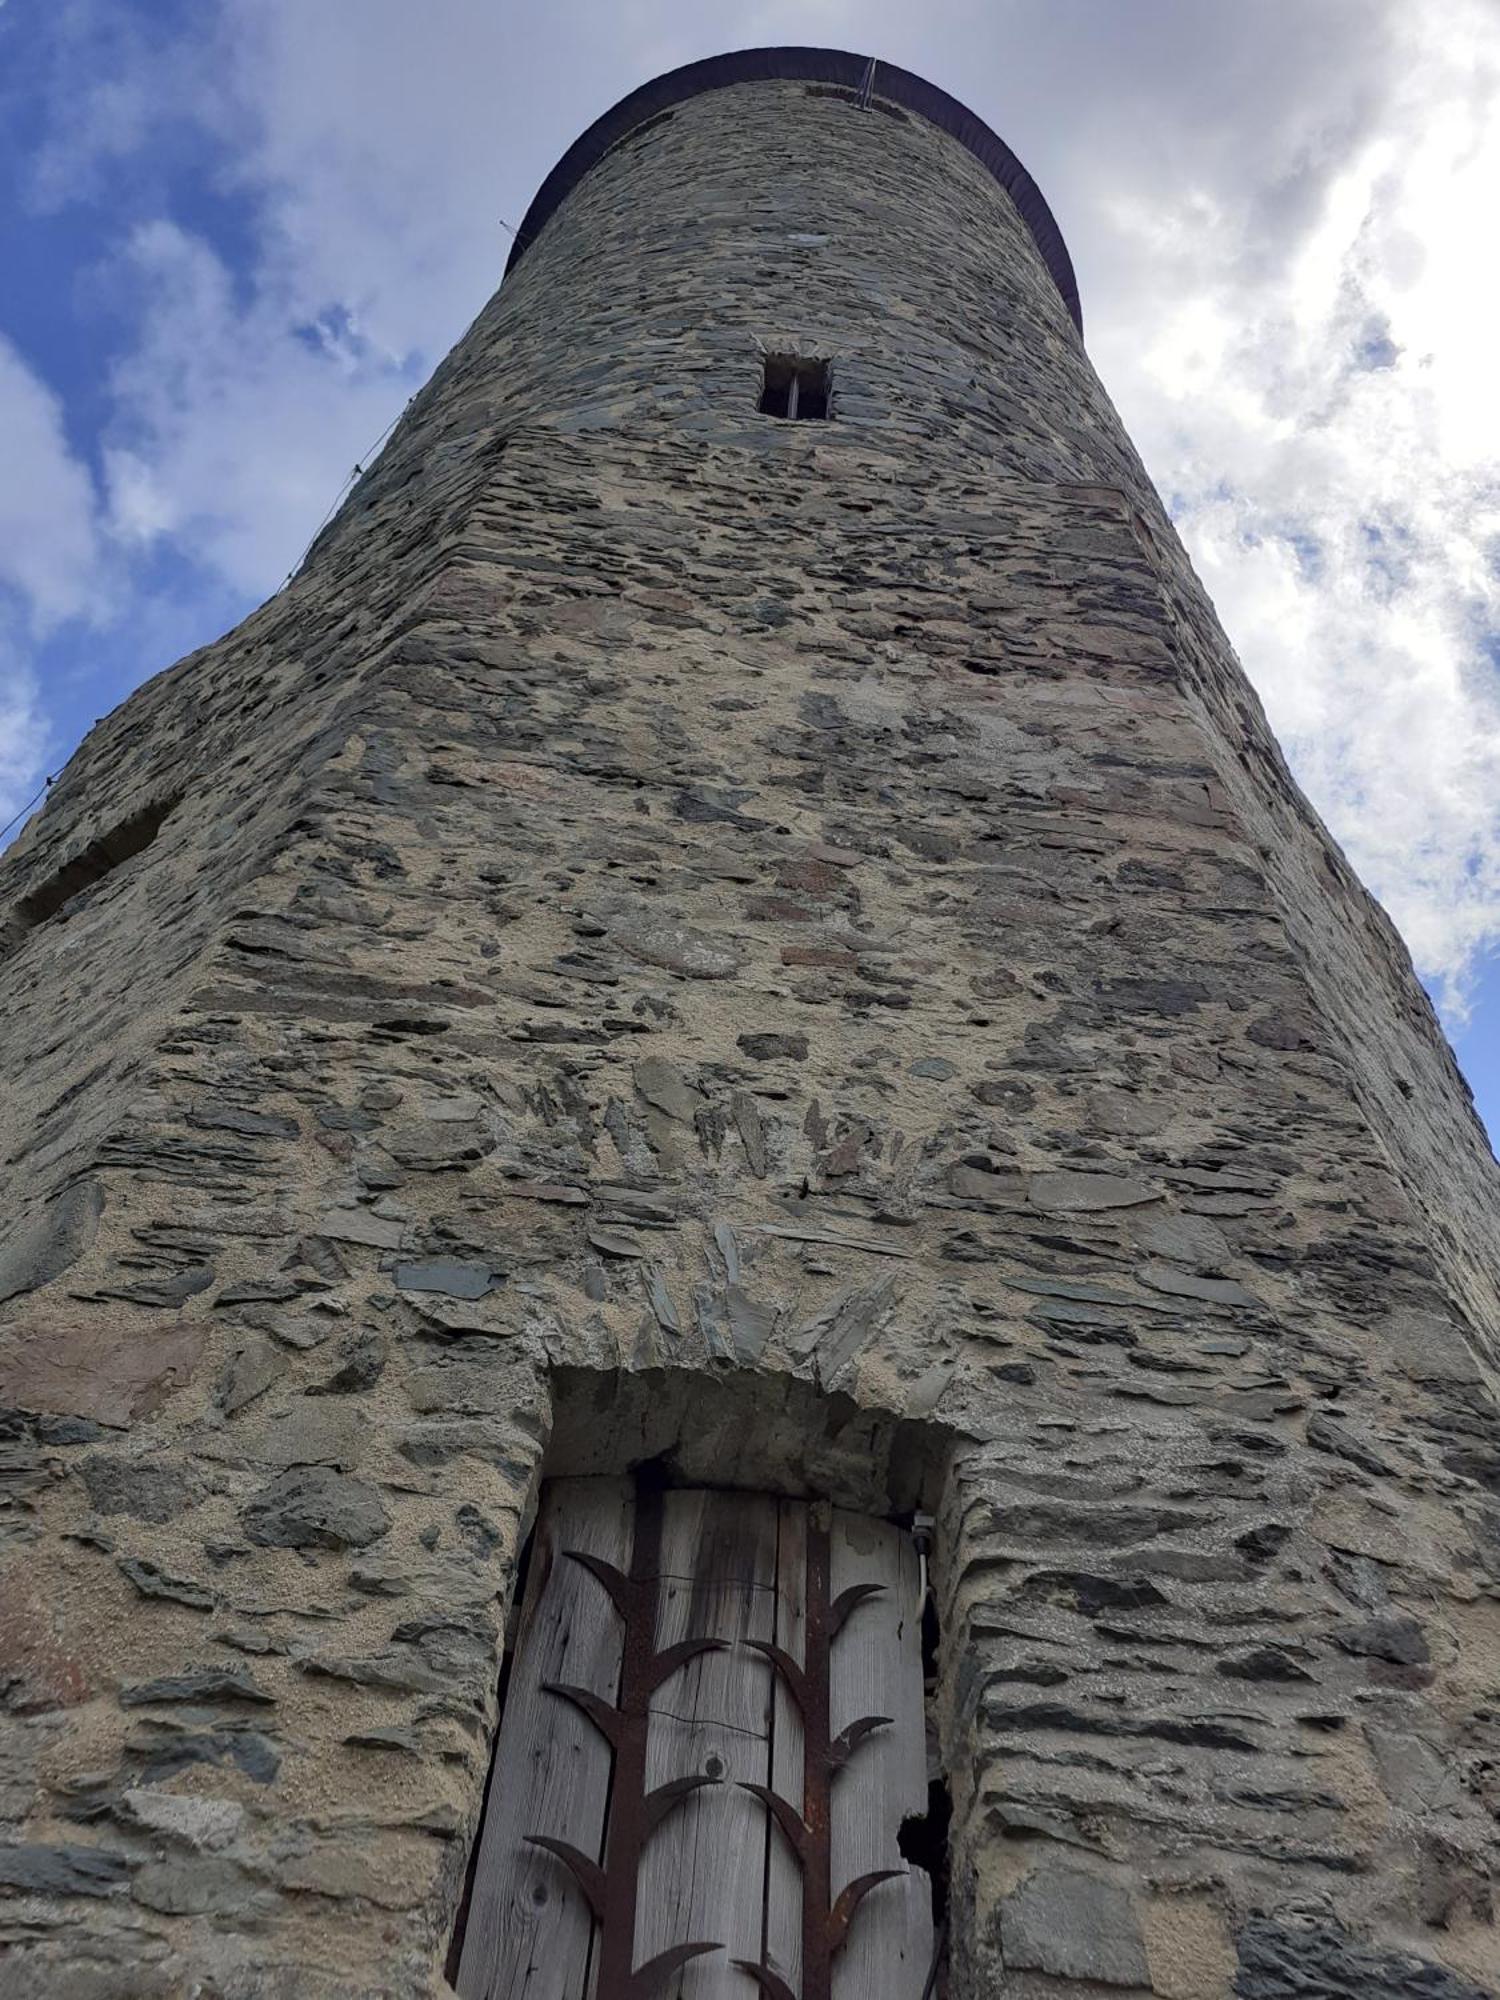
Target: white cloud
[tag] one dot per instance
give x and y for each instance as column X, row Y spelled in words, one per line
column 25, row 735
column 50, row 568
column 48, row 546
column 1330, row 436
column 232, row 413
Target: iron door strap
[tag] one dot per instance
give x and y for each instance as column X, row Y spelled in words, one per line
column 611, row 1889
column 825, row 1920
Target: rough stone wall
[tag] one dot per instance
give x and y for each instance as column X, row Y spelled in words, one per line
column 792, row 943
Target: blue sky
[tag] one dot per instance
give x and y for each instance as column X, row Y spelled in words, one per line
column 236, row 234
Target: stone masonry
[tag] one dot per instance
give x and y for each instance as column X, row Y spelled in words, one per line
column 790, row 944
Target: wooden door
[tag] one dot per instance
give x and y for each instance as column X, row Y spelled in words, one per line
column 677, row 1653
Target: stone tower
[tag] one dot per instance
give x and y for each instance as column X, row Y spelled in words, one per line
column 777, row 945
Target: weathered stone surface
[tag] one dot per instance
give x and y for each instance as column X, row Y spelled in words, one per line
column 62, row 1871
column 57, row 1362
column 1320, row 1962
column 1068, row 1193
column 784, row 950
column 40, row 1246
column 311, row 1507
column 196, row 1822
column 679, row 947
column 200, row 1684
column 1073, row 1925
column 146, row 1491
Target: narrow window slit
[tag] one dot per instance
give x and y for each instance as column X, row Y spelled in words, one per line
column 795, row 388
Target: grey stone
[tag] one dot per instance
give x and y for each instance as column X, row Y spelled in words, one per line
column 448, row 1275
column 193, row 1886
column 62, row 1871
column 313, row 1507
column 767, row 1047
column 1188, row 1240
column 1329, row 1435
column 198, row 1684
column 1398, row 1640
column 50, row 1239
column 145, row 1489
column 152, row 1581
column 1188, row 1285
column 196, row 1822
column 1065, row 1192
column 664, row 1087
column 56, row 1362
column 661, row 940
column 1414, row 1775
column 362, row 1359
column 1323, row 1962
column 250, row 1370
column 1073, row 1925
column 361, row 1225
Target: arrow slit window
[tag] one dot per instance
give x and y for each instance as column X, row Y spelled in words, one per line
column 712, row 1735
column 795, row 388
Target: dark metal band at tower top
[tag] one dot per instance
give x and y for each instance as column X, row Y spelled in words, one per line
column 837, row 67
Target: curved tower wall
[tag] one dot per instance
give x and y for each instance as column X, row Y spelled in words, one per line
column 788, row 946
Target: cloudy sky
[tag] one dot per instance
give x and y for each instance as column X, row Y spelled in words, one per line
column 236, row 234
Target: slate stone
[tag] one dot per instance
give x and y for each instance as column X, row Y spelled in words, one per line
column 1398, row 1640
column 248, row 1751
column 1189, row 1285
column 314, row 1507
column 451, row 1276
column 1065, row 1192
column 145, row 1489
column 769, row 1047
column 59, row 1362
column 1342, row 1441
column 198, row 1684
column 660, row 940
column 216, row 1117
column 1073, row 1925
column 196, row 1822
column 250, row 1370
column 193, row 1886
column 173, row 1290
column 62, row 1871
column 1262, row 1663
column 362, row 1359
column 361, row 1225
column 664, row 1087
column 50, row 1239
column 1324, row 1962
column 152, row 1581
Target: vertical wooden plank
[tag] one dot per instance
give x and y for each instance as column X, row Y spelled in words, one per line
column 529, row 1930
column 783, row 1877
column 877, row 1670
column 702, row 1873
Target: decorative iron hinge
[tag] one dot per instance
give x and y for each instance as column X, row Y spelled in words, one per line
column 610, row 1889
column 825, row 1922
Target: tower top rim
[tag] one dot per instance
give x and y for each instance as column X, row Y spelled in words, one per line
column 808, row 65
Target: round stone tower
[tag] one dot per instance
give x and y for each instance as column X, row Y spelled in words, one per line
column 735, row 949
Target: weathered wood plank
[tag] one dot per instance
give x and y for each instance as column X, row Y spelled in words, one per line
column 529, row 1929
column 783, row 1877
column 877, row 1670
column 702, row 1874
